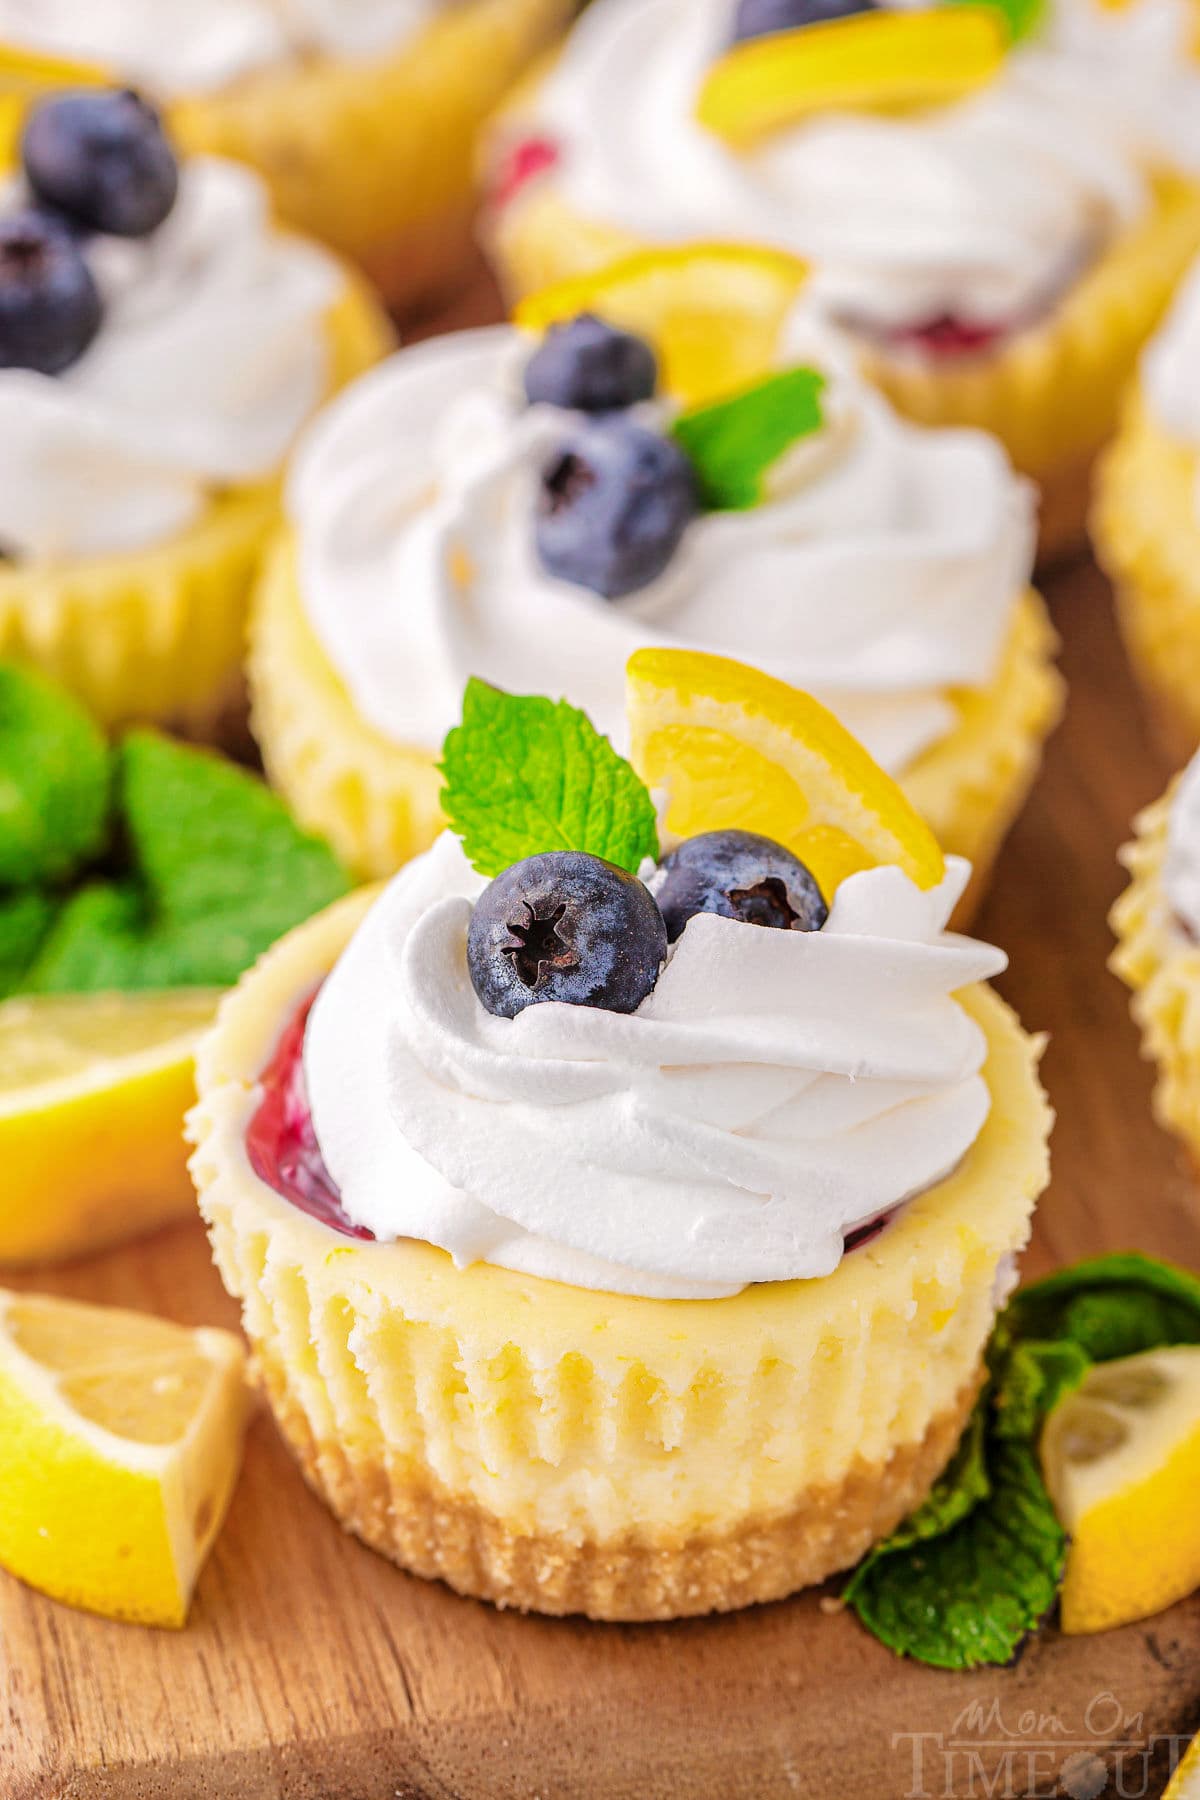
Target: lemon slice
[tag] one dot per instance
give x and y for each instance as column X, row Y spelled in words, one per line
column 887, row 60
column 714, row 312
column 93, row 1089
column 1121, row 1457
column 729, row 746
column 120, row 1442
column 27, row 74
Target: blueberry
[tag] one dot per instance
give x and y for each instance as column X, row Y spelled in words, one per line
column 103, row 159
column 565, row 926
column 49, row 305
column 590, row 366
column 615, row 501
column 758, row 18
column 738, row 875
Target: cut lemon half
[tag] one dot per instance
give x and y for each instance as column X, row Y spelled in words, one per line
column 713, row 312
column 1121, row 1457
column 93, row 1090
column 120, row 1442
column 882, row 61
column 728, row 746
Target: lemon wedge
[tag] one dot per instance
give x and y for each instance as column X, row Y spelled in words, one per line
column 729, row 746
column 120, row 1442
column 93, row 1089
column 1121, row 1457
column 882, row 61
column 713, row 312
column 1185, row 1783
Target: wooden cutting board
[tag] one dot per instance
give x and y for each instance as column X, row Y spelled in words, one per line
column 313, row 1670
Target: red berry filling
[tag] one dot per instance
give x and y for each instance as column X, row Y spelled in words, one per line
column 527, row 158
column 281, row 1143
column 283, row 1149
column 949, row 336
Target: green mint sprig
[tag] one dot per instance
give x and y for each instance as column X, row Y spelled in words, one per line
column 524, row 774
column 54, row 781
column 978, row 1566
column 732, row 443
column 1023, row 17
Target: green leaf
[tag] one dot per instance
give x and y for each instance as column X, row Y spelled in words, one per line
column 732, row 443
column 976, row 1568
column 219, row 871
column 973, row 1594
column 1111, row 1306
column 524, row 774
column 1023, row 17
column 25, row 919
column 54, row 781
column 958, row 1490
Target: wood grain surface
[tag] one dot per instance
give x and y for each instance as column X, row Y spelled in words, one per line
column 312, row 1670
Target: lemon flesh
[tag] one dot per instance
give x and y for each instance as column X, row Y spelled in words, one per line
column 120, row 1443
column 730, row 747
column 713, row 312
column 1121, row 1458
column 93, row 1090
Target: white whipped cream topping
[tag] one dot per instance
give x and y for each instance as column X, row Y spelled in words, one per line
column 192, row 46
column 775, row 1090
column 883, row 574
column 210, row 357
column 1181, row 867
column 983, row 209
column 1140, row 62
column 1171, row 367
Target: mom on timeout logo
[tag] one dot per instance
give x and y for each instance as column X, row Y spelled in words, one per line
column 988, row 1754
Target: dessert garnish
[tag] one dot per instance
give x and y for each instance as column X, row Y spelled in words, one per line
column 877, row 59
column 757, row 18
column 93, row 161
column 565, row 926
column 590, row 366
column 146, row 865
column 102, row 160
column 614, row 502
column 738, row 875
column 617, row 495
column 980, row 1565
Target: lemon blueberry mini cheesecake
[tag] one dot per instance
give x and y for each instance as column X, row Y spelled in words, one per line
column 996, row 218
column 161, row 343
column 643, row 461
column 1146, row 523
column 1157, row 924
column 360, row 115
column 620, row 1230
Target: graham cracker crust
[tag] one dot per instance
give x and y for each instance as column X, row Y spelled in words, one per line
column 409, row 1518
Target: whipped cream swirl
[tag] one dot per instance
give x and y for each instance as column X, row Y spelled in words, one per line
column 1140, row 61
column 882, row 574
column 983, row 210
column 211, row 355
column 774, row 1091
column 1181, row 868
column 192, row 46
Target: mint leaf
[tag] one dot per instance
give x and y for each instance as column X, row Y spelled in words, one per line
column 524, row 774
column 54, row 781
column 732, row 443
column 1023, row 17
column 1111, row 1306
column 24, row 921
column 971, row 1595
column 219, row 871
column 978, row 1565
